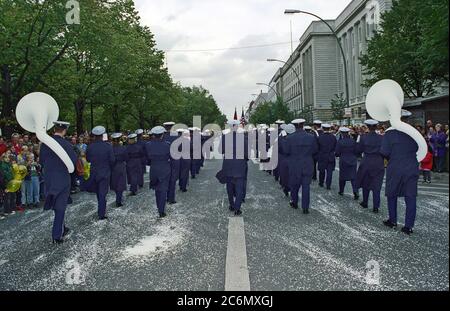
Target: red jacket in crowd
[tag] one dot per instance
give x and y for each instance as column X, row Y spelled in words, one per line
column 427, row 163
column 3, row 148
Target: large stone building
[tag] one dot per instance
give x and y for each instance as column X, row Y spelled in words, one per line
column 318, row 62
column 355, row 26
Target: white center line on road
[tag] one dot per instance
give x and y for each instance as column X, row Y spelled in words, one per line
column 236, row 271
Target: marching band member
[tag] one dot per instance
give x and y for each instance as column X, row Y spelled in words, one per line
column 326, row 158
column 234, row 166
column 317, row 131
column 276, row 171
column 346, row 151
column 158, row 152
column 141, row 142
column 185, row 162
column 283, row 162
column 119, row 171
column 57, row 180
column 134, row 164
column 370, row 173
column 300, row 149
column 402, row 175
column 101, row 156
column 175, row 164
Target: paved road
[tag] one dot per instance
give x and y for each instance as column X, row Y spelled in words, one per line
column 284, row 249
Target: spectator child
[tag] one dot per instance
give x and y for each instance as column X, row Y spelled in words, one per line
column 9, row 198
column 427, row 165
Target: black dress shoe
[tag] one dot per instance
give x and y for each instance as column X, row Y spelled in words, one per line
column 363, row 205
column 407, row 231
column 172, row 202
column 306, row 211
column 328, row 188
column 133, row 194
column 341, row 194
column 231, row 209
column 321, row 185
column 294, row 206
column 286, row 193
column 162, row 215
column 66, row 231
column 356, row 196
column 243, row 200
column 238, row 213
column 376, row 210
column 193, row 176
column 389, row 224
column 103, row 218
column 58, row 242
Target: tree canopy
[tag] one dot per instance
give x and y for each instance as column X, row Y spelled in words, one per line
column 411, row 47
column 109, row 62
column 269, row 112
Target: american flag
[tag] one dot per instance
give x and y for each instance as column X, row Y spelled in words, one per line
column 243, row 121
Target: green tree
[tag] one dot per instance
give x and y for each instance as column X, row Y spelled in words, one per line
column 269, row 112
column 411, row 47
column 338, row 105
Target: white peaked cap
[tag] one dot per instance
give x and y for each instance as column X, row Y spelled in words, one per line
column 98, row 130
column 132, row 136
column 298, row 121
column 116, row 135
column 158, row 130
column 406, row 113
column 371, row 122
column 290, row 128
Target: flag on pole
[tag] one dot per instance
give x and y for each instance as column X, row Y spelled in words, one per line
column 243, row 121
column 235, row 114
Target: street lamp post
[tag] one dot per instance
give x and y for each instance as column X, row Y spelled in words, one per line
column 297, row 75
column 271, row 87
column 340, row 47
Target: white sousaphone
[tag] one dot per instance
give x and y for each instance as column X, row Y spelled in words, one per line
column 36, row 113
column 384, row 102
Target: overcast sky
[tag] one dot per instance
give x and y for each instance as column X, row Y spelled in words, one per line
column 231, row 75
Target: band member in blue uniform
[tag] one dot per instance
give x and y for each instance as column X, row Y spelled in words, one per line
column 276, row 171
column 196, row 151
column 119, row 172
column 134, row 164
column 141, row 142
column 370, row 173
column 283, row 162
column 234, row 148
column 185, row 162
column 57, row 180
column 300, row 149
column 308, row 129
column 318, row 131
column 101, row 156
column 402, row 175
column 346, row 151
column 326, row 160
column 175, row 164
column 158, row 152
